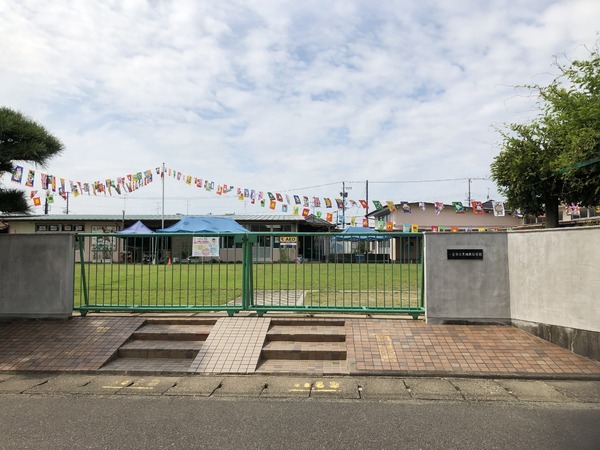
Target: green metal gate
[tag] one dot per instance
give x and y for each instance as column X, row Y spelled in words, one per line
column 309, row 272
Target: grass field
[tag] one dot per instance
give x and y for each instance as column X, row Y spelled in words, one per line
column 216, row 285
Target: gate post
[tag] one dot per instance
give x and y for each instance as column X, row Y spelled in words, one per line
column 80, row 240
column 247, row 291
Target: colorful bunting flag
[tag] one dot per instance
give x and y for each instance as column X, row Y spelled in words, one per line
column 573, row 210
column 438, row 207
column 406, row 207
column 414, row 228
column 30, row 178
column 389, row 226
column 365, row 222
column 391, row 205
column 329, row 217
column 363, row 203
column 458, row 207
column 17, row 175
column 377, row 204
column 477, row 208
column 498, row 209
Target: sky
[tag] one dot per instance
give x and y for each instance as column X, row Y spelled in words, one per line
column 298, row 98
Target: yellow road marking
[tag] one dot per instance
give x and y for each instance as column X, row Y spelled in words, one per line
column 332, row 386
column 386, row 348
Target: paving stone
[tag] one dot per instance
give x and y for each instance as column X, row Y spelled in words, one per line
column 64, row 383
column 149, row 386
column 384, row 389
column 288, row 387
column 432, row 389
column 337, row 388
column 481, row 389
column 250, row 386
column 583, row 391
column 234, row 346
column 21, row 383
column 532, row 390
column 195, row 385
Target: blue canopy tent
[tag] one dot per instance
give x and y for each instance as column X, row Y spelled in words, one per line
column 205, row 225
column 355, row 234
column 137, row 230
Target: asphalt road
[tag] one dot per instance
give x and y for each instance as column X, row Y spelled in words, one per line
column 159, row 422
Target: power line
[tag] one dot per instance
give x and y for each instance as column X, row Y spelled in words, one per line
column 419, row 181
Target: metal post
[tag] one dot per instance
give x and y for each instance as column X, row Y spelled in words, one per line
column 163, row 196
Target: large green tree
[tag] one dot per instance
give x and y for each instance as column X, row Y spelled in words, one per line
column 555, row 158
column 22, row 139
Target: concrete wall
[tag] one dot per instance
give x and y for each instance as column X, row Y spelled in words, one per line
column 555, row 286
column 36, row 276
column 555, row 277
column 459, row 291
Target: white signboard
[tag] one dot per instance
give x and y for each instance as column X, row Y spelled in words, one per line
column 205, row 246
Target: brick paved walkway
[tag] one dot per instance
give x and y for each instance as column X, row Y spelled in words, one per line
column 376, row 346
column 413, row 346
column 82, row 343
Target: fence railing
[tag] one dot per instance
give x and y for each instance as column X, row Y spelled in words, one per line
column 309, row 272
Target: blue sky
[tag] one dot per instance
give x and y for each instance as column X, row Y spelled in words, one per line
column 282, row 96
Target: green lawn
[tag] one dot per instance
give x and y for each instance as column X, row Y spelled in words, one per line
column 212, row 285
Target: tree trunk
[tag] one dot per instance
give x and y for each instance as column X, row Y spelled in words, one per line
column 551, row 212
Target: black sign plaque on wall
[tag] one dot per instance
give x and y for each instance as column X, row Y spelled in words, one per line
column 465, row 253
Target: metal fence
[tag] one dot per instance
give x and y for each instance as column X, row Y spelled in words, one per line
column 309, row 272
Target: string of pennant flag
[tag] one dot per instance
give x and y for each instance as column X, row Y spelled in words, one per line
column 45, row 186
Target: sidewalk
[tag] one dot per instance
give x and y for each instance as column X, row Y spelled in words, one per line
column 378, row 346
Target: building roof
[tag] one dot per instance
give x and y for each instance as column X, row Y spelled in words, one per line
column 310, row 219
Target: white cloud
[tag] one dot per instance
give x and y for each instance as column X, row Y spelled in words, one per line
column 283, row 95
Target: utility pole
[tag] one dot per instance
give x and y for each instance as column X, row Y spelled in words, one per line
column 469, row 193
column 367, row 199
column 344, row 195
column 163, row 196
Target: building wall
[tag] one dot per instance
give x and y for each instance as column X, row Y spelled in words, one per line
column 475, row 290
column 449, row 218
column 36, row 276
